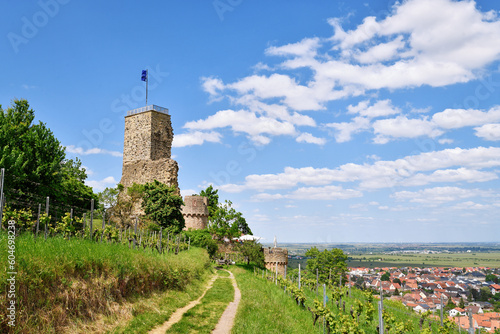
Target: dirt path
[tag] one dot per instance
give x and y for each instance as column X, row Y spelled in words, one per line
column 177, row 315
column 226, row 321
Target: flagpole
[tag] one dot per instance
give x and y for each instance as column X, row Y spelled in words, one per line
column 147, row 79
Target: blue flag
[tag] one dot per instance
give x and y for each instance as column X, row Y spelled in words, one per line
column 144, row 76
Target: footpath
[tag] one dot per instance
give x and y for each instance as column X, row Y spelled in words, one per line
column 226, row 321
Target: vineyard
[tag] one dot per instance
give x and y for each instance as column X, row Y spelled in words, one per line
column 343, row 309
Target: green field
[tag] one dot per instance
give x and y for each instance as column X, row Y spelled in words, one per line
column 460, row 260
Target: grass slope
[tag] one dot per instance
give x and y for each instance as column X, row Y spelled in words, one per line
column 265, row 308
column 60, row 281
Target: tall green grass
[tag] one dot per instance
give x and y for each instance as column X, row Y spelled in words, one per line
column 265, row 308
column 59, row 279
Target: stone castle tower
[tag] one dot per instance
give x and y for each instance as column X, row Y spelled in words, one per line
column 147, row 147
column 195, row 212
column 276, row 257
column 147, row 157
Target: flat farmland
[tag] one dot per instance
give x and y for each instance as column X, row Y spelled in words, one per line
column 480, row 259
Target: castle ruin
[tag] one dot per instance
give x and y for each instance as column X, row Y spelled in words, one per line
column 276, row 257
column 147, row 147
column 147, row 157
column 195, row 212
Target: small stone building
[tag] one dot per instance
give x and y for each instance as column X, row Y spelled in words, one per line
column 276, row 257
column 195, row 212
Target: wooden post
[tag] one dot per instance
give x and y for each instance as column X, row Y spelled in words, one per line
column 471, row 323
column 324, row 305
column 299, row 275
column 442, row 310
column 380, row 318
column 317, row 280
column 91, row 218
column 38, row 219
column 103, row 223
column 47, row 212
column 160, row 245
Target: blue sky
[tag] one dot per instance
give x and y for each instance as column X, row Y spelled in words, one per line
column 322, row 121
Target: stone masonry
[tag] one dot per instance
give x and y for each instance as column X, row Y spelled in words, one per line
column 276, row 256
column 195, row 212
column 147, row 148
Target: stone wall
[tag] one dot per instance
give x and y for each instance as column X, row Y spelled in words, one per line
column 195, row 212
column 276, row 257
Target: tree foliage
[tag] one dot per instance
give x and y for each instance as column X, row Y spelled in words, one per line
column 162, row 205
column 213, row 200
column 253, row 252
column 227, row 222
column 35, row 162
column 334, row 260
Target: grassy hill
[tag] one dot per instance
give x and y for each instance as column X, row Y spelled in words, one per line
column 62, row 284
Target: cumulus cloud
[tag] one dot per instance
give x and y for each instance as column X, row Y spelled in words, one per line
column 309, row 138
column 81, row 151
column 489, row 131
column 440, row 195
column 241, row 121
column 411, row 170
column 196, row 138
column 403, row 127
column 459, row 118
column 312, row 193
column 100, row 185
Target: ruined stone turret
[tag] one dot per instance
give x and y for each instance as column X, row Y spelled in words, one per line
column 276, row 257
column 195, row 212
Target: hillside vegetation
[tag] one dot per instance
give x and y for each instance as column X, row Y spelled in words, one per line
column 60, row 281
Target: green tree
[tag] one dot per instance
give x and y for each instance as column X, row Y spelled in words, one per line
column 35, row 162
column 328, row 260
column 385, row 277
column 492, row 278
column 203, row 239
column 213, row 200
column 162, row 205
column 227, row 222
column 253, row 252
column 396, row 280
column 461, row 304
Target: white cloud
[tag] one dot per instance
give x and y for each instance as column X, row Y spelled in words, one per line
column 345, row 130
column 458, row 118
column 80, row 151
column 443, row 141
column 305, row 48
column 213, row 86
column 450, row 175
column 196, row 138
column 440, row 195
column 402, row 127
column 244, row 122
column 384, row 174
column 312, row 193
column 489, row 132
column 379, row 108
column 100, row 185
column 381, row 52
column 309, row 138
